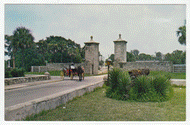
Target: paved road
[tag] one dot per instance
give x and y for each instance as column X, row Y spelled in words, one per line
column 24, row 94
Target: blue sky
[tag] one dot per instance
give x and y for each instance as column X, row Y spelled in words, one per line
column 148, row 28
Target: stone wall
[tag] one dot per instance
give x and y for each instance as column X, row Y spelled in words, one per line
column 18, row 80
column 39, row 69
column 51, row 67
column 56, row 66
column 152, row 65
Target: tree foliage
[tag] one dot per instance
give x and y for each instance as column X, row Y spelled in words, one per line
column 176, row 57
column 144, row 57
column 181, row 33
column 159, row 56
column 57, row 49
column 130, row 57
column 22, row 39
column 135, row 52
column 54, row 49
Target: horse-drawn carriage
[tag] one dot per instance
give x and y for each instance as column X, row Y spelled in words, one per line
column 72, row 71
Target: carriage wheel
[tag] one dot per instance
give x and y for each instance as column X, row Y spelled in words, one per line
column 71, row 75
column 62, row 75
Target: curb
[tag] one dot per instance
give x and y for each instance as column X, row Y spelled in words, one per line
column 29, row 84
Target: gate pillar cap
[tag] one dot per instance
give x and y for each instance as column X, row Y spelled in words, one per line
column 120, row 39
column 91, row 41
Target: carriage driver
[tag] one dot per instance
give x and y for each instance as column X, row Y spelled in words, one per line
column 73, row 68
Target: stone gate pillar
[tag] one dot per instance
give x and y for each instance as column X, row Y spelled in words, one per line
column 119, row 52
column 91, row 57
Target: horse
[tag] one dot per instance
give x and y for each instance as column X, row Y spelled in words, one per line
column 64, row 72
column 72, row 72
column 80, row 72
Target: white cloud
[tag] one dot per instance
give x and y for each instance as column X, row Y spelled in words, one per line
column 148, row 28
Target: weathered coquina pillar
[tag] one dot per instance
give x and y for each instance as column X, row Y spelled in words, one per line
column 119, row 52
column 91, row 57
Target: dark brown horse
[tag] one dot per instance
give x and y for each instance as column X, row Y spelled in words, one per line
column 80, row 72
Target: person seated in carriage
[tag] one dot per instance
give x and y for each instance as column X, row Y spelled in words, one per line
column 72, row 67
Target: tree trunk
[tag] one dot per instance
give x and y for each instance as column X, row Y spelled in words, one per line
column 14, row 51
column 23, row 59
column 13, row 62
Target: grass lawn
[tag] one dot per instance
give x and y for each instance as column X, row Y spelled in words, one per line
column 173, row 75
column 95, row 106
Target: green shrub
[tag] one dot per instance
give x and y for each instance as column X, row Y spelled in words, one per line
column 17, row 72
column 14, row 72
column 8, row 74
column 119, row 84
column 55, row 73
column 21, row 72
column 162, row 86
column 113, row 77
column 141, row 88
column 149, row 88
column 124, row 83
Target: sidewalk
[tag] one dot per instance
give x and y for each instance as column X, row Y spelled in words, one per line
column 15, row 86
column 179, row 82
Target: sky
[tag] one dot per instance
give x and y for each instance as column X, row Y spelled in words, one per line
column 147, row 28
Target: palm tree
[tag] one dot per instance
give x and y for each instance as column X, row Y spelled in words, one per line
column 11, row 47
column 181, row 33
column 23, row 38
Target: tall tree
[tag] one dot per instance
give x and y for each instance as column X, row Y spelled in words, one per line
column 167, row 57
column 11, row 47
column 159, row 56
column 130, row 57
column 32, row 58
column 23, row 38
column 143, row 57
column 63, row 50
column 176, row 57
column 42, row 48
column 183, row 60
column 181, row 33
column 135, row 52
